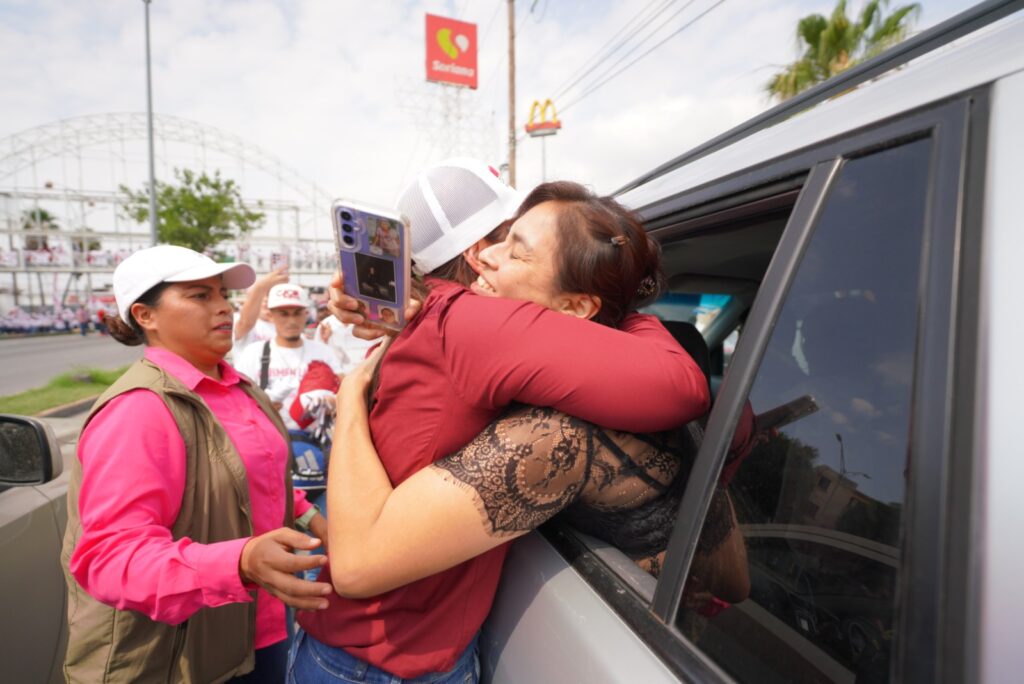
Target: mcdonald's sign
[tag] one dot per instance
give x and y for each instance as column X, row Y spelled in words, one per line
column 451, row 51
column 543, row 126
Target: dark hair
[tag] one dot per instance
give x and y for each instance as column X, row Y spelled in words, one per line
column 603, row 250
column 131, row 334
column 458, row 269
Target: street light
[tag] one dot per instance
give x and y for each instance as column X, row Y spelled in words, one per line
column 149, row 122
column 843, row 472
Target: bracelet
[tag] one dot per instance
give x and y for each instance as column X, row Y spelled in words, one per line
column 302, row 522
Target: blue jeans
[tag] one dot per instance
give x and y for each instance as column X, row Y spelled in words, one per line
column 312, row 662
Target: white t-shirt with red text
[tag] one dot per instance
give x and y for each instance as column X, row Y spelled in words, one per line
column 287, row 366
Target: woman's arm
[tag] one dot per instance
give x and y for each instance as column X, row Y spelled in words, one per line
column 464, row 505
column 721, row 568
column 249, row 312
column 636, row 378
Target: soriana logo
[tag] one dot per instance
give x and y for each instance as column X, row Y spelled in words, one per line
column 451, row 51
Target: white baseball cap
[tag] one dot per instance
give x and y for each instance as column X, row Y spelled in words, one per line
column 149, row 267
column 453, row 204
column 285, row 295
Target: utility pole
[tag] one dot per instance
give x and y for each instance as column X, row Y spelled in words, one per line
column 512, row 93
column 149, row 121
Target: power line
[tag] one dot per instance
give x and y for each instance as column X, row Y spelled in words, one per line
column 618, row 35
column 501, row 61
column 490, row 23
column 665, row 40
column 636, row 46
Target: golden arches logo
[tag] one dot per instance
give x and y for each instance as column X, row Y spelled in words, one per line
column 543, row 125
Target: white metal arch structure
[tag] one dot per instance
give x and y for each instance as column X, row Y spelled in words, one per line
column 67, row 136
column 74, row 171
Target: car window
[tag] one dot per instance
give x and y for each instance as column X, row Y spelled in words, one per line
column 816, row 473
column 701, row 310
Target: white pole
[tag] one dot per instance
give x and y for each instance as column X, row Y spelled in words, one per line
column 149, row 121
column 544, row 159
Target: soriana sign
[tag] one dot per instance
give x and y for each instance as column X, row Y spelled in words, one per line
column 451, row 51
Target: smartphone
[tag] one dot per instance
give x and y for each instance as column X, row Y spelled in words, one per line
column 787, row 413
column 373, row 253
column 278, row 259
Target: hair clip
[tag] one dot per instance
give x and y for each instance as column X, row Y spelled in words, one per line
column 618, row 240
column 647, row 287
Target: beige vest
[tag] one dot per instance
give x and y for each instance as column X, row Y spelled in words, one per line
column 215, row 644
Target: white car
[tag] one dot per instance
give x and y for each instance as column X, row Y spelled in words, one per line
column 863, row 242
column 33, row 513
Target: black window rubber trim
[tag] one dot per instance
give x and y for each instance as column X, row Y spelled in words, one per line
column 734, row 390
column 961, row 639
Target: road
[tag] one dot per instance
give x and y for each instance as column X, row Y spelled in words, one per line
column 29, row 362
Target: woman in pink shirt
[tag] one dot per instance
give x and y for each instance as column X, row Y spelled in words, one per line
column 178, row 548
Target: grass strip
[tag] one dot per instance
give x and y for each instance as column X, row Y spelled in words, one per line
column 63, row 389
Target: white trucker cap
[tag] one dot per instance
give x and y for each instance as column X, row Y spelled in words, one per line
column 285, row 295
column 149, row 267
column 451, row 205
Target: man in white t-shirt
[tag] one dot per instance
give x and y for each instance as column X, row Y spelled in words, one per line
column 289, row 352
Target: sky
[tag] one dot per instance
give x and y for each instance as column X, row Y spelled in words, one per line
column 336, row 89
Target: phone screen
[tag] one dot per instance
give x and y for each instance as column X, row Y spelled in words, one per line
column 277, row 260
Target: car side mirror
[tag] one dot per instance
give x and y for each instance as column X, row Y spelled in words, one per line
column 29, row 453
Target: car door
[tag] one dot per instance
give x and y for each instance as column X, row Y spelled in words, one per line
column 841, row 506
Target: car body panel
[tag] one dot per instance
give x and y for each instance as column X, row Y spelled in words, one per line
column 31, row 531
column 33, row 635
column 548, row 625
column 999, row 562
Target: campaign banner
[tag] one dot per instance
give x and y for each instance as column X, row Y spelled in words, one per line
column 37, row 257
column 451, row 51
column 101, row 258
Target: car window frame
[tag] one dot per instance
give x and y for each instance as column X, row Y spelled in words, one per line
column 930, row 551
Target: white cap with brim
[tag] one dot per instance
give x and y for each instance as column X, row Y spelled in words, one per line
column 149, row 267
column 286, row 296
column 452, row 205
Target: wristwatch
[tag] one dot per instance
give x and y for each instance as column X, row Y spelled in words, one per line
column 302, row 522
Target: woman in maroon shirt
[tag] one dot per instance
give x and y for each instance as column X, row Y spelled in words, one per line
column 452, row 371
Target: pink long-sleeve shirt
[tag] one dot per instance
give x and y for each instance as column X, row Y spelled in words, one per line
column 133, row 479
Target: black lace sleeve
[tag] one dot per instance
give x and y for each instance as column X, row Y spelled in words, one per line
column 524, row 468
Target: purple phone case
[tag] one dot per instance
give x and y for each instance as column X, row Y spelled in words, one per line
column 374, row 264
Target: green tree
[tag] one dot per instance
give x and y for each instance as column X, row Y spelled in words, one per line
column 775, row 481
column 38, row 220
column 198, row 211
column 832, row 45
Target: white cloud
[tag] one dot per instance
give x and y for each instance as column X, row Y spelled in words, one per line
column 325, row 85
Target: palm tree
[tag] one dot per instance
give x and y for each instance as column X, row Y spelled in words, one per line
column 834, row 44
column 37, row 220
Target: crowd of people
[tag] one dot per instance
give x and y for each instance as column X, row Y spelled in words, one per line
column 306, row 257
column 180, row 552
column 80, row 319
